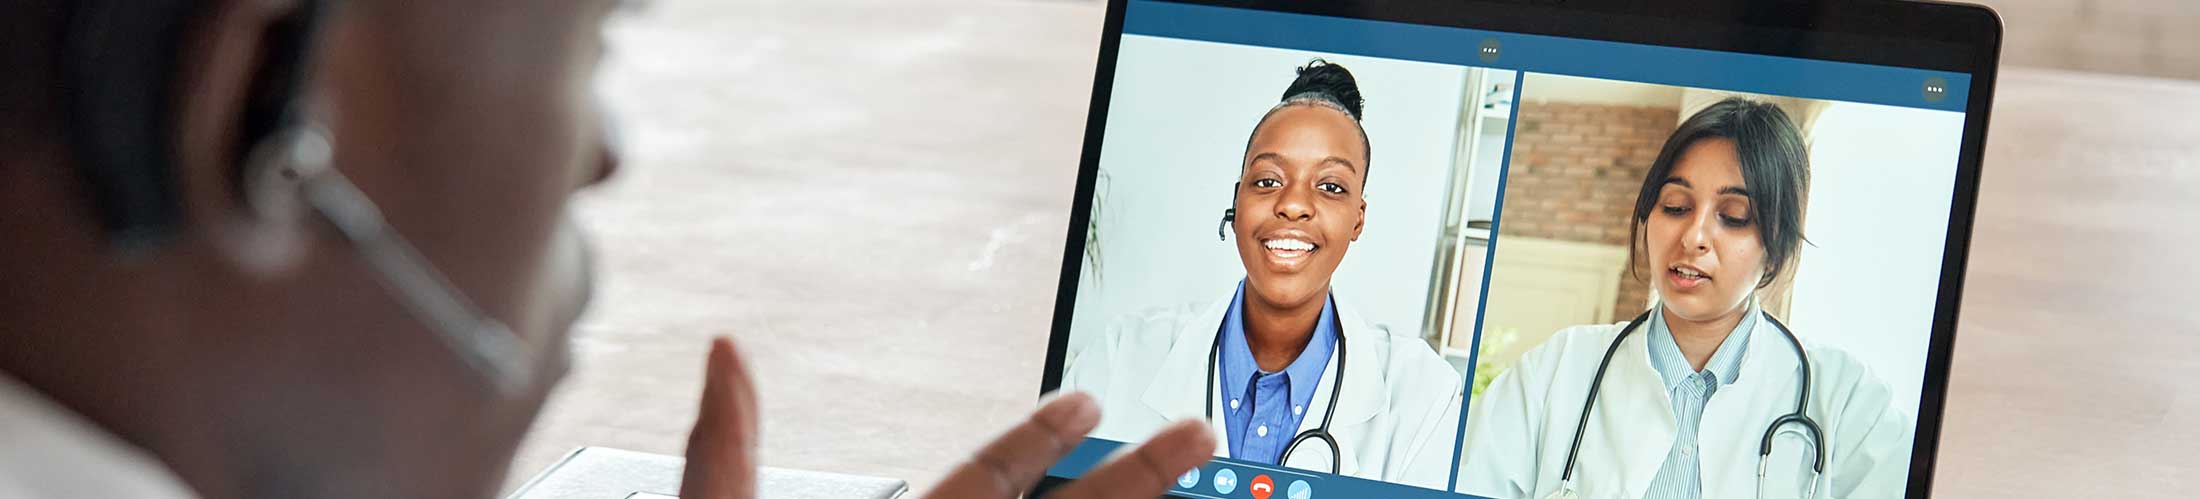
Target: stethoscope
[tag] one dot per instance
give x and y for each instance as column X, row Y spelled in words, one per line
column 1336, row 388
column 1336, row 384
column 1811, row 431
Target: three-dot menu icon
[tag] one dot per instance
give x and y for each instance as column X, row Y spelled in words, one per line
column 1489, row 50
column 1936, row 89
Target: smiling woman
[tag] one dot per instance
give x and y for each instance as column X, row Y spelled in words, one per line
column 1297, row 209
column 1286, row 372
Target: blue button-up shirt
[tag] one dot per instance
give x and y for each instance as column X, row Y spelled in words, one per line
column 1262, row 410
column 1681, row 475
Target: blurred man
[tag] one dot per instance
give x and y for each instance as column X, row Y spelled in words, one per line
column 273, row 248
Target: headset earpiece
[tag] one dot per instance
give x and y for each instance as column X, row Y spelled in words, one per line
column 276, row 170
column 270, row 235
column 1229, row 215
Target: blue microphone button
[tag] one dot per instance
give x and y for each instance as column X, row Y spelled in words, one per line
column 1189, row 479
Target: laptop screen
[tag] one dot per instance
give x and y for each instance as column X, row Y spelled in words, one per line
column 1396, row 260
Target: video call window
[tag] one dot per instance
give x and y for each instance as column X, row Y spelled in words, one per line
column 1753, row 226
column 1364, row 270
column 1370, row 245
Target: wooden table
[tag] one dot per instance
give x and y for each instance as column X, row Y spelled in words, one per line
column 2077, row 364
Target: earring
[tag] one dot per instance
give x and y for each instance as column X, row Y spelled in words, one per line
column 279, row 166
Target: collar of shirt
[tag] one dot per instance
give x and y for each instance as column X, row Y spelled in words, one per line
column 1725, row 364
column 1303, row 374
column 53, row 452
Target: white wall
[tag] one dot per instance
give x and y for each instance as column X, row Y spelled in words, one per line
column 1177, row 123
column 1882, row 179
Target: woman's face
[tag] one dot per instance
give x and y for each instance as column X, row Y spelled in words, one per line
column 1298, row 203
column 1701, row 238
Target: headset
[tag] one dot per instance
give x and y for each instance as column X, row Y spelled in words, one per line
column 119, row 60
column 1229, row 215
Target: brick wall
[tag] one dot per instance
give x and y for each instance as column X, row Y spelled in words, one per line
column 1574, row 174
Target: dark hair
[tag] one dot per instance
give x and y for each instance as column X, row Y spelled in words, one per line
column 1326, row 81
column 1775, row 169
column 1323, row 83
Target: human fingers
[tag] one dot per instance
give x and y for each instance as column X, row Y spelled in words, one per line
column 1148, row 470
column 721, row 450
column 1015, row 461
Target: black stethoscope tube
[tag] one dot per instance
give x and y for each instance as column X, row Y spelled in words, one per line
column 1764, row 448
column 1336, row 388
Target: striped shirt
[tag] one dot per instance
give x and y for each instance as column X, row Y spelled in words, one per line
column 1680, row 477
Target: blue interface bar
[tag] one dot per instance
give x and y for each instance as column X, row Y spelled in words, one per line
column 1207, row 484
column 1737, row 72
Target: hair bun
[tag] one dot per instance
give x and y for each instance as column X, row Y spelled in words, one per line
column 1327, row 81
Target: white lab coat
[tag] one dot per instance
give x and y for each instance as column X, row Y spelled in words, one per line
column 1398, row 420
column 1519, row 428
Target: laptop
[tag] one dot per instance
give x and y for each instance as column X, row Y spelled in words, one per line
column 1526, row 249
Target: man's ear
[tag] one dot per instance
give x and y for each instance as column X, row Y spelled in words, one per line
column 230, row 53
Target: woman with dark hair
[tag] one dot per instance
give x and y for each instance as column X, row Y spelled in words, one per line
column 1688, row 396
column 1286, row 372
